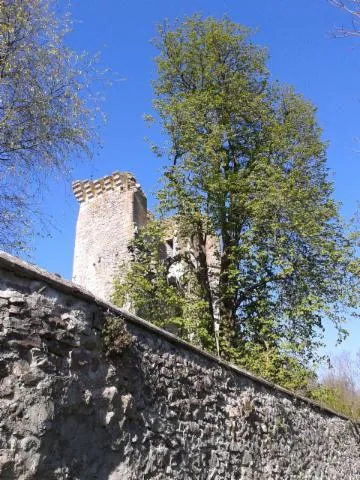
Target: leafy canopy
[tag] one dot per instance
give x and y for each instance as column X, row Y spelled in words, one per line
column 247, row 165
column 46, row 109
column 146, row 288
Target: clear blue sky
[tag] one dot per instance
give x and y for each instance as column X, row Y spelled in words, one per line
column 302, row 53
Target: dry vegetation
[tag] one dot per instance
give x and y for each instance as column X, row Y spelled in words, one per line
column 340, row 385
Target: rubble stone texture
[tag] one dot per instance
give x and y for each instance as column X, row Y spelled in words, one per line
column 111, row 210
column 161, row 409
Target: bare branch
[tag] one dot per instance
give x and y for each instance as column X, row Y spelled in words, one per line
column 352, row 8
column 47, row 110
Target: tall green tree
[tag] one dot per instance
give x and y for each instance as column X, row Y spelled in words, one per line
column 46, row 108
column 248, row 166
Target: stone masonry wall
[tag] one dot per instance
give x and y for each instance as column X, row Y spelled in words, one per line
column 161, row 409
column 111, row 209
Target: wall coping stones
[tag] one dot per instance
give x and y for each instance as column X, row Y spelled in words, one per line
column 24, row 269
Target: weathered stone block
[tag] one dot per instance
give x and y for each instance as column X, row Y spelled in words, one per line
column 111, row 210
column 162, row 410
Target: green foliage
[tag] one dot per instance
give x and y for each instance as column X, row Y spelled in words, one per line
column 278, row 366
column 46, row 111
column 115, row 338
column 248, row 166
column 336, row 398
column 180, row 307
column 339, row 388
column 145, row 288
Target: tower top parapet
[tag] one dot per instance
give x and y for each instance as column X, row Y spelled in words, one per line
column 89, row 189
column 112, row 209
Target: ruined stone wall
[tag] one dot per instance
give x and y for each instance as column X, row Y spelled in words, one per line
column 160, row 409
column 111, row 210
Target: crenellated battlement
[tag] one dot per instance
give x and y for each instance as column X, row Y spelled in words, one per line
column 112, row 209
column 89, row 189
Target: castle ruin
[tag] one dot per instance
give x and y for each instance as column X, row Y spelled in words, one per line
column 154, row 407
column 112, row 209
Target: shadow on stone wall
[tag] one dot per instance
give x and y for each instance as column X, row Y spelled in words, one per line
column 98, row 430
column 160, row 410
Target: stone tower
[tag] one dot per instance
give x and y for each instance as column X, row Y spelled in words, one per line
column 111, row 210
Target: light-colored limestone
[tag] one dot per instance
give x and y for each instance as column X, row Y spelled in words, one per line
column 111, row 210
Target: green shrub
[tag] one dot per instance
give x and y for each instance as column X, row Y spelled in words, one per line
column 116, row 339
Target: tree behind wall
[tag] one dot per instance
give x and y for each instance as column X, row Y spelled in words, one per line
column 248, row 165
column 339, row 388
column 45, row 109
column 149, row 289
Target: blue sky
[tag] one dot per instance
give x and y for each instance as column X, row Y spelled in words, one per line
column 302, row 53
